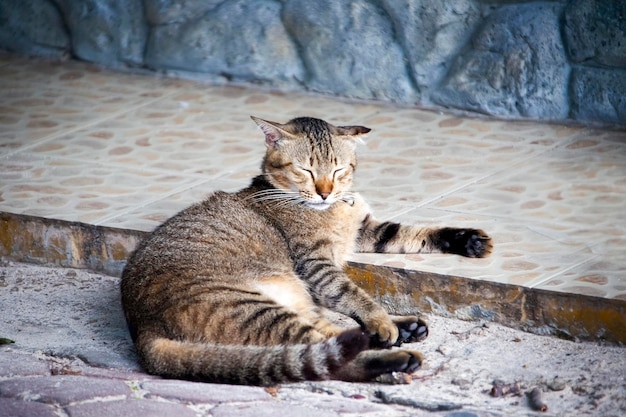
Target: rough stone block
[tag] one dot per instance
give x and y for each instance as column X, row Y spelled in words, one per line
column 129, row 408
column 432, row 34
column 15, row 364
column 10, row 407
column 349, row 49
column 269, row 410
column 203, row 393
column 109, row 32
column 242, row 41
column 338, row 403
column 160, row 12
column 595, row 32
column 62, row 389
column 598, row 95
column 111, row 373
column 514, row 66
column 32, row 27
column 507, row 58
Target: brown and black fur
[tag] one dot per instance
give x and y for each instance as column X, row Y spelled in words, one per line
column 232, row 289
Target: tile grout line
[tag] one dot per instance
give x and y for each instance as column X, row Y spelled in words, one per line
column 145, row 203
column 493, row 174
column 177, row 190
column 99, row 221
column 556, row 274
column 95, row 122
column 125, row 166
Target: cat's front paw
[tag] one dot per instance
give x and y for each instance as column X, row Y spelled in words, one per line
column 473, row 243
column 384, row 332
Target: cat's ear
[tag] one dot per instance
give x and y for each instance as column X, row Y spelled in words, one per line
column 273, row 131
column 356, row 131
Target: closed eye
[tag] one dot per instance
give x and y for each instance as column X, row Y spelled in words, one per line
column 309, row 172
column 338, row 171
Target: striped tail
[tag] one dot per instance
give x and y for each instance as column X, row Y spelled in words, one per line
column 249, row 365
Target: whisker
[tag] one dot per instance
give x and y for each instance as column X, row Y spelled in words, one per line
column 268, row 193
column 346, row 197
column 274, row 196
column 287, row 202
column 277, row 198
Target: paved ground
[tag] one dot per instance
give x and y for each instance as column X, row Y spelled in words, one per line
column 73, row 357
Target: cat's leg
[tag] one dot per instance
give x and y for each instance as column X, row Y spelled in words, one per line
column 389, row 237
column 411, row 329
column 273, row 311
column 290, row 292
column 330, row 287
column 249, row 319
column 373, row 363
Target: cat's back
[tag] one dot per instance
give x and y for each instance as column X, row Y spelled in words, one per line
column 222, row 234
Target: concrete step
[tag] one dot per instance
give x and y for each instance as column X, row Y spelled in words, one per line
column 572, row 316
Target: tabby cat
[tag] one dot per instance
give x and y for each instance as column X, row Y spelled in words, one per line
column 233, row 289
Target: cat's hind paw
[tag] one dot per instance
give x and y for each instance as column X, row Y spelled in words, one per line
column 371, row 364
column 389, row 361
column 411, row 329
column 352, row 342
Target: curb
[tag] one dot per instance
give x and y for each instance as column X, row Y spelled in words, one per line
column 52, row 242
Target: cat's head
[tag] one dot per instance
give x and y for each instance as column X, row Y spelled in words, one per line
column 309, row 160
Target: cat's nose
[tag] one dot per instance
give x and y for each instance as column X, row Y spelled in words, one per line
column 324, row 187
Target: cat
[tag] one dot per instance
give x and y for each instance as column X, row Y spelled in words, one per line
column 233, row 289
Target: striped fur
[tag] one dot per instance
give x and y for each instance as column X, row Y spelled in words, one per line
column 233, row 289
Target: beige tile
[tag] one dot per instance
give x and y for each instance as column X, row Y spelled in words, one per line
column 576, row 189
column 602, row 276
column 29, row 115
column 418, row 157
column 149, row 216
column 46, row 98
column 80, row 143
column 70, row 190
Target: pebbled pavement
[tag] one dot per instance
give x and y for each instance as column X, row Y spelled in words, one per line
column 72, row 357
column 45, row 385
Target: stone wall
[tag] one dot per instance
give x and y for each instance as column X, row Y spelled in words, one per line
column 551, row 60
